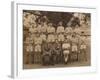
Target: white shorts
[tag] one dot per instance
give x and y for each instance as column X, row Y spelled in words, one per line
column 83, row 47
column 66, row 52
column 38, row 48
column 66, row 46
column 43, row 37
column 74, row 48
column 51, row 38
column 60, row 39
column 69, row 37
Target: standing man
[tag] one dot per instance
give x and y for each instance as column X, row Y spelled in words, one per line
column 50, row 33
column 77, row 31
column 83, row 47
column 39, row 27
column 60, row 32
column 60, row 36
column 66, row 46
column 30, row 55
column 68, row 33
column 28, row 50
column 37, row 44
column 46, row 54
column 74, row 48
column 60, row 28
column 44, row 27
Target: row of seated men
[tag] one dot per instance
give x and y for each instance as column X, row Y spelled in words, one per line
column 57, row 51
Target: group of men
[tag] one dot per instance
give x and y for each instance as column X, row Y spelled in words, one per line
column 49, row 45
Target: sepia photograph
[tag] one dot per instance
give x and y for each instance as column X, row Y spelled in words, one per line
column 55, row 39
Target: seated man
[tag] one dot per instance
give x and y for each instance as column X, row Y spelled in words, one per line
column 46, row 53
column 58, row 52
column 54, row 54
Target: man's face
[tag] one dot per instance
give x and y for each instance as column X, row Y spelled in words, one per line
column 76, row 26
column 37, row 16
column 60, row 23
column 50, row 24
column 44, row 23
column 34, row 25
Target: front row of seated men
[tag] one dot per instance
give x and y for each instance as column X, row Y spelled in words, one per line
column 55, row 52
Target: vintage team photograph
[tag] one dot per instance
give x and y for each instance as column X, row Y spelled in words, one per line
column 54, row 39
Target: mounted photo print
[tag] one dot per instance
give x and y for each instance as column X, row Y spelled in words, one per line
column 56, row 39
column 52, row 38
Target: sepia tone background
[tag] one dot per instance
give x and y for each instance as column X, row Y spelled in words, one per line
column 32, row 18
